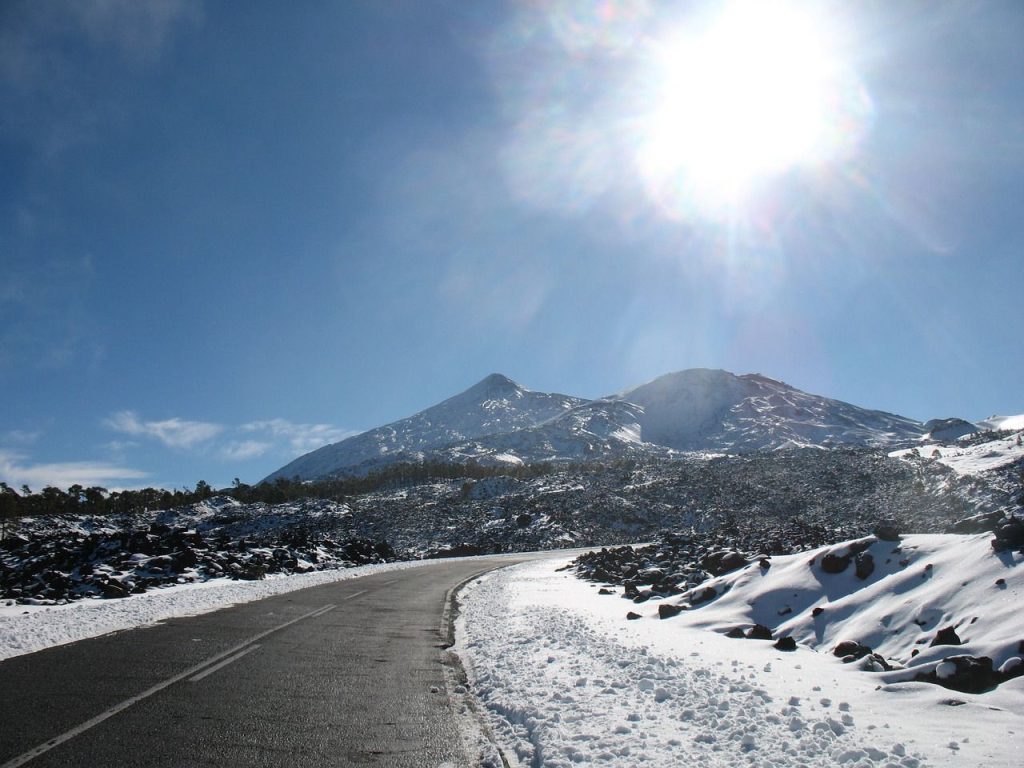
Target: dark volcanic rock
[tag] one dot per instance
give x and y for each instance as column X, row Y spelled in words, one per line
column 946, row 636
column 786, row 643
column 717, row 563
column 832, row 563
column 864, row 564
column 849, row 650
column 886, row 530
column 667, row 611
column 969, row 674
column 759, row 632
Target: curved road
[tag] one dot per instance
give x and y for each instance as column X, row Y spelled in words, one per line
column 350, row 673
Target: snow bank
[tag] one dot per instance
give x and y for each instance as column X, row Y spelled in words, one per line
column 565, row 679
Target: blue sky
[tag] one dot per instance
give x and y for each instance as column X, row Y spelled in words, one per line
column 231, row 233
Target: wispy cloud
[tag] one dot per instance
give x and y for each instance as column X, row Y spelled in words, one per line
column 174, row 432
column 16, row 472
column 139, row 30
column 242, row 450
column 299, row 438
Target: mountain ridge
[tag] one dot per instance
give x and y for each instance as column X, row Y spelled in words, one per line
column 499, row 421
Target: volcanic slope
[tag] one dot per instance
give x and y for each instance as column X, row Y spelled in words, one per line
column 498, row 421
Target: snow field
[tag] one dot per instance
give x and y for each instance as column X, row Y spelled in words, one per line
column 566, row 680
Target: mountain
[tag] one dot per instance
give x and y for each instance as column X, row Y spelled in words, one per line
column 495, row 405
column 713, row 410
column 498, row 421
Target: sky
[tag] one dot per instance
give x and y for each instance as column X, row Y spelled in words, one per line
column 231, row 233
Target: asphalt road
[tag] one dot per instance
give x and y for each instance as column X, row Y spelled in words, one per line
column 351, row 673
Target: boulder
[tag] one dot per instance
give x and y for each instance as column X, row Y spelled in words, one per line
column 886, row 530
column 667, row 610
column 759, row 632
column 864, row 563
column 946, row 636
column 969, row 674
column 832, row 563
column 785, row 643
column 722, row 561
column 850, row 650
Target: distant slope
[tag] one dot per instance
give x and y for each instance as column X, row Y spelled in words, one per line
column 494, row 405
column 713, row 410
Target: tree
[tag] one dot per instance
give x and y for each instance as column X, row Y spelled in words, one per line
column 8, row 507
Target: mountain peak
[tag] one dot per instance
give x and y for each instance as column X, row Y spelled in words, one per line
column 494, row 383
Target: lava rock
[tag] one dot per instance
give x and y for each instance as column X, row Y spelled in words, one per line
column 851, row 650
column 968, row 674
column 786, row 643
column 758, row 632
column 946, row 636
column 832, row 563
column 723, row 561
column 886, row 530
column 667, row 611
column 632, row 616
column 864, row 563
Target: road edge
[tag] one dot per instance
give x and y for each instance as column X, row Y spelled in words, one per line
column 477, row 736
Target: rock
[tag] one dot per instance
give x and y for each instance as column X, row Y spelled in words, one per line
column 1009, row 535
column 969, row 674
column 632, row 616
column 886, row 530
column 604, row 591
column 864, row 564
column 785, row 643
column 874, row 662
column 817, row 611
column 983, row 523
column 759, row 632
column 524, row 520
column 946, row 636
column 850, row 650
column 703, row 595
column 723, row 561
column 667, row 610
column 736, row 633
column 832, row 563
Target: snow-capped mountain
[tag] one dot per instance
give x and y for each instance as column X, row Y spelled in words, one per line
column 499, row 421
column 495, row 405
column 713, row 410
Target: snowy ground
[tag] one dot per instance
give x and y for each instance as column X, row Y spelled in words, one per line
column 966, row 458
column 564, row 679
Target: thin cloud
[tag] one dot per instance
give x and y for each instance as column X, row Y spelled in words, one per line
column 245, row 449
column 300, row 438
column 174, row 433
column 16, row 473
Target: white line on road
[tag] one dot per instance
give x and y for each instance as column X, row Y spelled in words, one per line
column 90, row 723
column 346, row 597
column 215, row 667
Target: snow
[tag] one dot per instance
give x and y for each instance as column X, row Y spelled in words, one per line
column 565, row 679
column 26, row 628
column 972, row 459
column 1003, row 422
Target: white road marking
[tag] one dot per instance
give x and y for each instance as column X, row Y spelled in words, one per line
column 215, row 667
column 346, row 597
column 94, row 721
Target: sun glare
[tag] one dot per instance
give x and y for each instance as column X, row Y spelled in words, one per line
column 755, row 90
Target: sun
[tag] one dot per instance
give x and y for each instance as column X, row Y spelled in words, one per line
column 751, row 91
